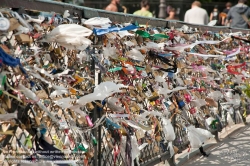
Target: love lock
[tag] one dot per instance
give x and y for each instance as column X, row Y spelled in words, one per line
column 4, row 23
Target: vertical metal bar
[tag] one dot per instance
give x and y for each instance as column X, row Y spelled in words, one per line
column 99, row 131
column 94, row 115
column 95, row 135
column 171, row 161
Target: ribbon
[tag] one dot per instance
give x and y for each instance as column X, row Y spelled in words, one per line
column 231, row 55
column 205, row 55
column 79, row 147
column 182, row 48
column 110, row 123
column 247, row 90
column 10, row 61
column 102, row 31
column 199, row 68
column 28, row 142
column 152, row 37
column 6, row 117
column 213, row 124
column 232, row 69
column 116, row 153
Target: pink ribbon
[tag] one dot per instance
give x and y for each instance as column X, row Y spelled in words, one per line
column 198, row 68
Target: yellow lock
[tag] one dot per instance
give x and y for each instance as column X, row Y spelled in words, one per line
column 72, row 91
column 78, row 79
column 152, row 103
column 58, row 142
column 221, row 85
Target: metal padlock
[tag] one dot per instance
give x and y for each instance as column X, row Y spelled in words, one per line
column 4, row 23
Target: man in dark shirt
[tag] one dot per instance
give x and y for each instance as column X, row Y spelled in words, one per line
column 228, row 7
column 239, row 15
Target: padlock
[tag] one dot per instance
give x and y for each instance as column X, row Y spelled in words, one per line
column 23, row 38
column 158, row 138
column 4, row 23
column 90, row 106
column 41, row 94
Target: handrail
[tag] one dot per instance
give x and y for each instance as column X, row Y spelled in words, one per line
column 86, row 12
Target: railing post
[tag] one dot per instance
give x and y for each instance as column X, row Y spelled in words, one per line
column 162, row 12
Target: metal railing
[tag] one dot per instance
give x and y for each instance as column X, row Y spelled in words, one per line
column 156, row 151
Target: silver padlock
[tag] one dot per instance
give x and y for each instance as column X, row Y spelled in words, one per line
column 4, row 23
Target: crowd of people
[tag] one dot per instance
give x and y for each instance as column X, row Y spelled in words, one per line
column 234, row 16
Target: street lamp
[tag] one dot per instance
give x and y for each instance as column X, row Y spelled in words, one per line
column 162, row 12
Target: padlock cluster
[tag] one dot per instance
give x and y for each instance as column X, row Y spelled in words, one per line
column 114, row 93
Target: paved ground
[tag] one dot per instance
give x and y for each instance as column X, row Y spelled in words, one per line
column 232, row 151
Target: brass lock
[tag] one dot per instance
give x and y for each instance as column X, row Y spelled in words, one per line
column 90, row 106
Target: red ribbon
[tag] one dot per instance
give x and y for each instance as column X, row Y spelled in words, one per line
column 116, row 153
column 232, row 69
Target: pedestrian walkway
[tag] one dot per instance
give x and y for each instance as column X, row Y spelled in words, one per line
column 233, row 150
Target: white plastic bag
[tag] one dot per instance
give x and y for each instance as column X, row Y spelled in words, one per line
column 229, row 120
column 168, row 129
column 136, row 55
column 171, row 149
column 135, row 148
column 6, row 117
column 114, row 104
column 101, row 91
column 198, row 103
column 216, row 95
column 197, row 136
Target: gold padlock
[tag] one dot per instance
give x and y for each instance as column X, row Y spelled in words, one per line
column 23, row 38
column 90, row 106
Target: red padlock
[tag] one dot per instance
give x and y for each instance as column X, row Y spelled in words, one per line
column 187, row 98
column 192, row 110
column 157, row 102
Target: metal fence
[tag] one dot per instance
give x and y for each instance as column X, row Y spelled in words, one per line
column 103, row 154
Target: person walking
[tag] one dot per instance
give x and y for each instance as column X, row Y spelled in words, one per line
column 214, row 15
column 196, row 15
column 239, row 15
column 144, row 9
column 224, row 13
column 115, row 6
column 172, row 13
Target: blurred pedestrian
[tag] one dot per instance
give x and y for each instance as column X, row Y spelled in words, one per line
column 172, row 14
column 214, row 15
column 168, row 9
column 115, row 6
column 196, row 15
column 223, row 14
column 144, row 9
column 239, row 15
